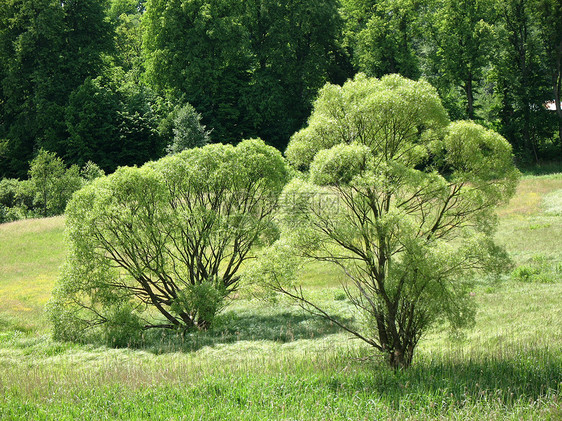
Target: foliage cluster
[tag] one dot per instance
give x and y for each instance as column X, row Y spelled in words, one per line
column 47, row 190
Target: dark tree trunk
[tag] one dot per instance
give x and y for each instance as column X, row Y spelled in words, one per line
column 557, row 85
column 401, row 357
column 468, row 88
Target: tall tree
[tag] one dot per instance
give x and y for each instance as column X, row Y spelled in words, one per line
column 112, row 121
column 30, row 36
column 47, row 49
column 400, row 201
column 250, row 68
column 549, row 20
column 125, row 16
column 519, row 80
column 199, row 49
column 461, row 39
column 382, row 35
column 295, row 50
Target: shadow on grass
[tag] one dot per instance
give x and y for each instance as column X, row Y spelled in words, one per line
column 519, row 377
column 544, row 168
column 230, row 328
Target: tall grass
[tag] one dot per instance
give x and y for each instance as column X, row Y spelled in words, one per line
column 269, row 381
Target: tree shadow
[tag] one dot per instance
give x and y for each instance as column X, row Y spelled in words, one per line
column 524, row 378
column 230, row 328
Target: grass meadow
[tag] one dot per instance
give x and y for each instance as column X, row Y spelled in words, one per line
column 267, row 359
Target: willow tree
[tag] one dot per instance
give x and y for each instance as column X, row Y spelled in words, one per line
column 162, row 246
column 398, row 198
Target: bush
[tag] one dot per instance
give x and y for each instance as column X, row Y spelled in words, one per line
column 8, row 192
column 123, row 327
column 169, row 238
column 538, row 270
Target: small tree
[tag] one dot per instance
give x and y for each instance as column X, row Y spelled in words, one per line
column 90, row 171
column 52, row 182
column 165, row 243
column 400, row 200
column 188, row 131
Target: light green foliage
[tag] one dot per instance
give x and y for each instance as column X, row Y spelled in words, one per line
column 125, row 15
column 90, row 171
column 339, row 164
column 168, row 239
column 188, row 131
column 48, row 189
column 52, row 182
column 123, row 326
column 373, row 113
column 401, row 201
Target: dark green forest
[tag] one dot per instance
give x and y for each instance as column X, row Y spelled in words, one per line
column 105, row 81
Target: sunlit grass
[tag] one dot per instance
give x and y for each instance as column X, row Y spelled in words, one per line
column 530, row 227
column 530, row 194
column 31, row 253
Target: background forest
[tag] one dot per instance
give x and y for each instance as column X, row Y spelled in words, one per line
column 107, row 81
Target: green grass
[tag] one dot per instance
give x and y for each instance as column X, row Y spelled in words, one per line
column 267, row 359
column 31, row 253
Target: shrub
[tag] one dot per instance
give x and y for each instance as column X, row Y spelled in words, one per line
column 169, row 239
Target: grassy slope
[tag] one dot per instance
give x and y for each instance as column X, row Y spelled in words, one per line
column 31, row 253
column 268, row 360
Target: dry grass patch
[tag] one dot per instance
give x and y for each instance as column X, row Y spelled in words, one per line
column 529, row 195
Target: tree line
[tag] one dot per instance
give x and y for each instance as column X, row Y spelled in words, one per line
column 105, row 80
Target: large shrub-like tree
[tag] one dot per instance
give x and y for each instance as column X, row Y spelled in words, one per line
column 401, row 200
column 162, row 246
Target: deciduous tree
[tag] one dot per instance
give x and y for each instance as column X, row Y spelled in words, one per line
column 400, row 200
column 549, row 19
column 162, row 246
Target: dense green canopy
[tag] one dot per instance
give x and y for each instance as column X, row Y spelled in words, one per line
column 102, row 80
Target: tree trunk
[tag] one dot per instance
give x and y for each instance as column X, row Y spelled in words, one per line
column 469, row 97
column 557, row 85
column 400, row 358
